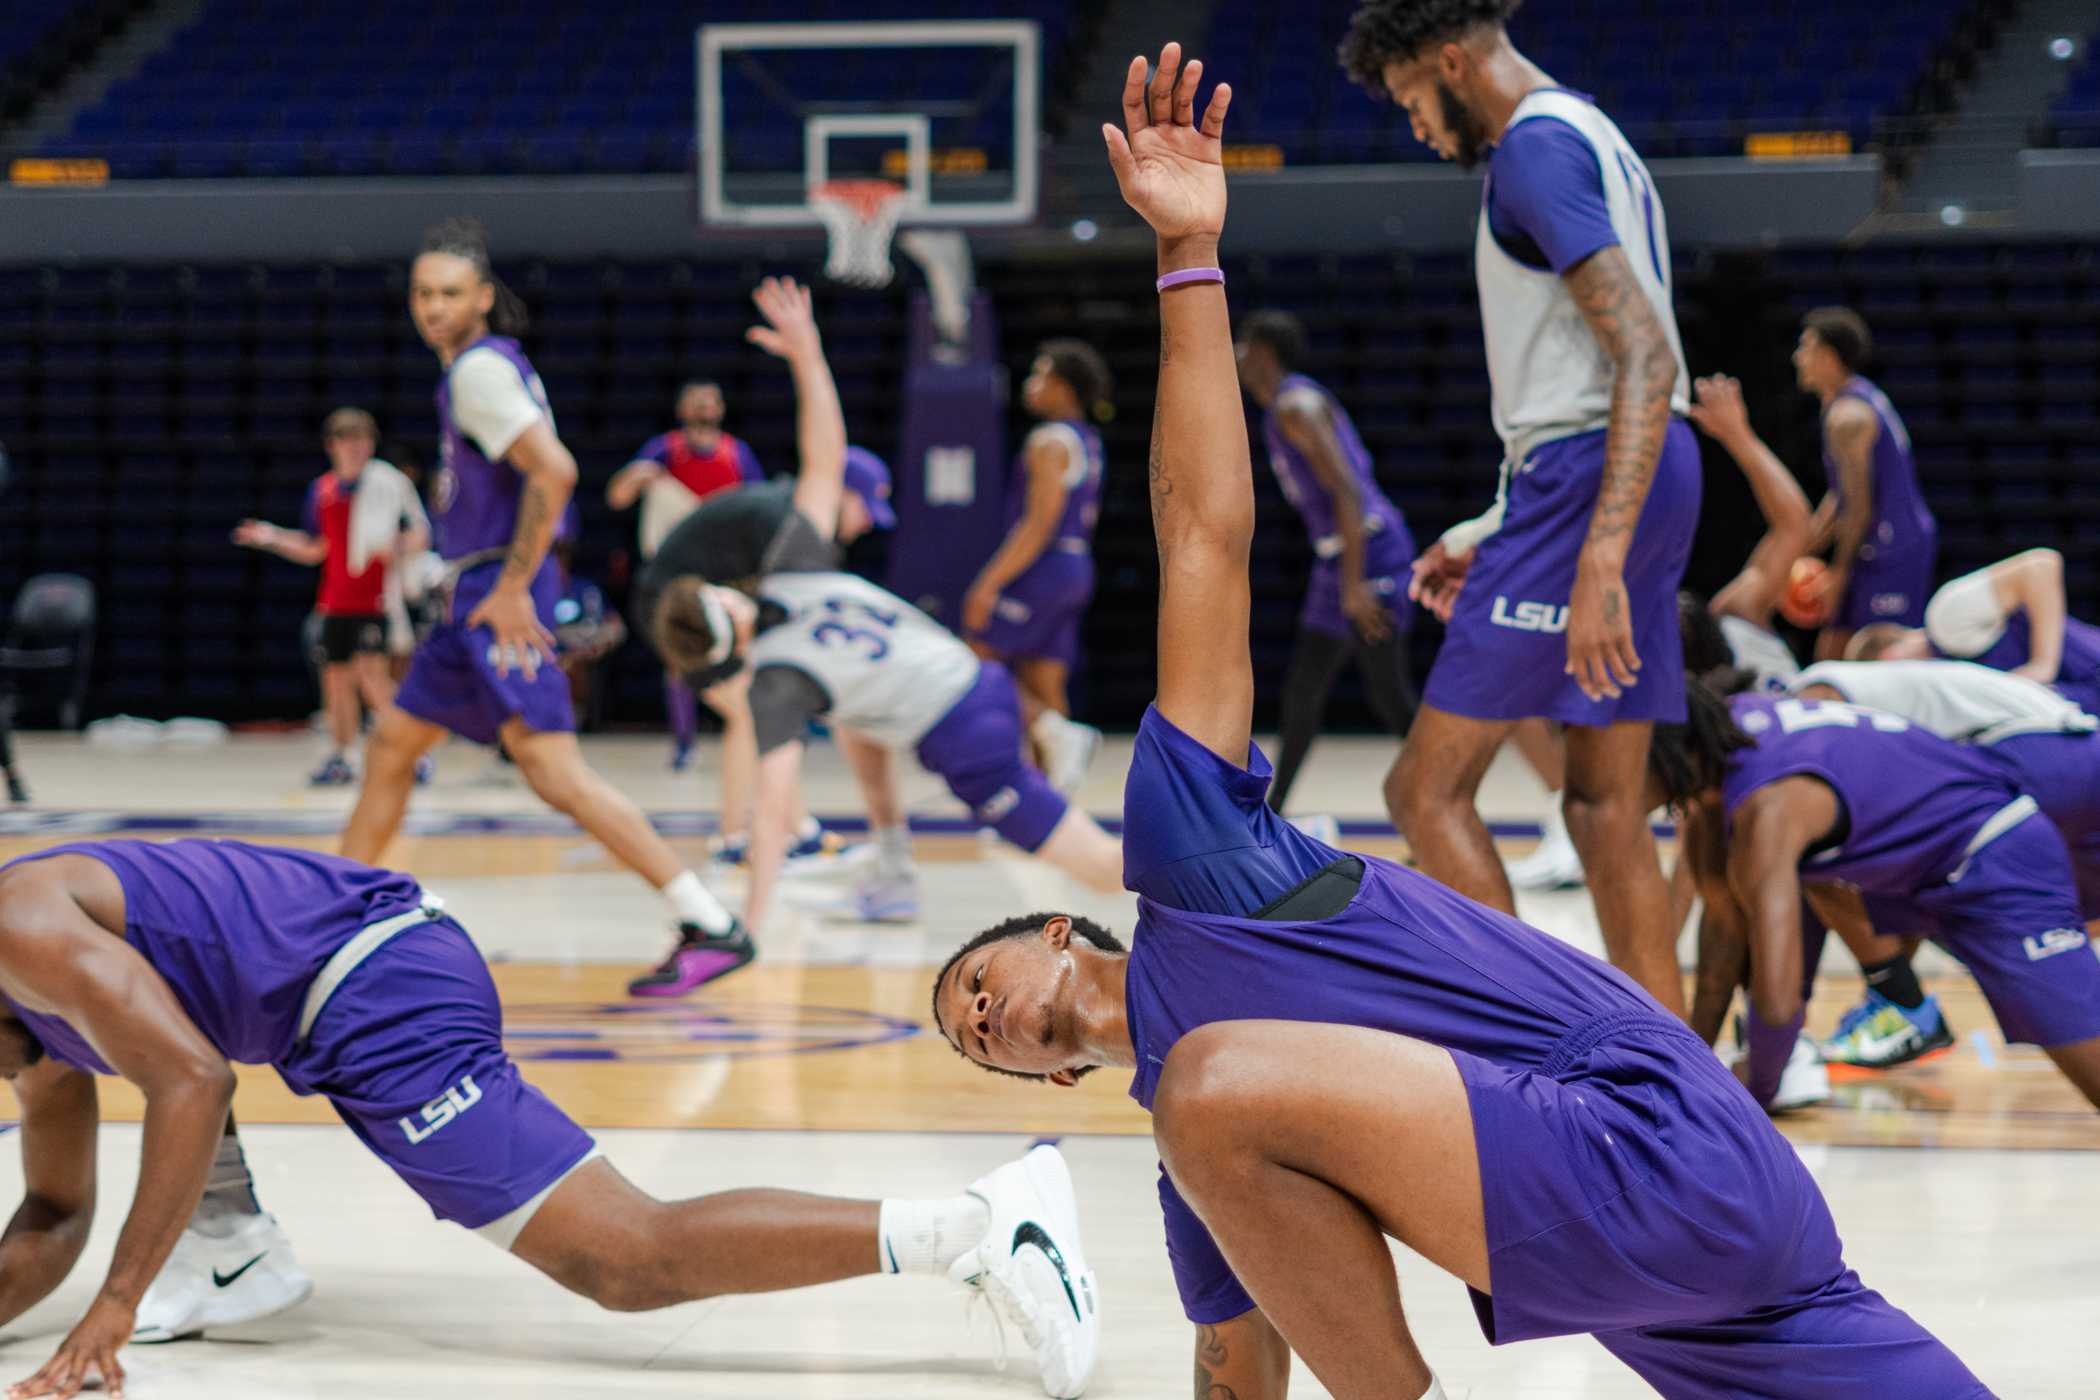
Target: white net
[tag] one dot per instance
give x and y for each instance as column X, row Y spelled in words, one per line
column 860, row 216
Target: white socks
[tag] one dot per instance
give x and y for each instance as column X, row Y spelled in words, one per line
column 893, row 852
column 1436, row 1389
column 1553, row 826
column 691, row 903
column 1048, row 728
column 925, row 1237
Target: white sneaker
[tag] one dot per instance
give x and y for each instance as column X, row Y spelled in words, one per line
column 1803, row 1084
column 219, row 1280
column 1031, row 1268
column 1553, row 866
column 1068, row 751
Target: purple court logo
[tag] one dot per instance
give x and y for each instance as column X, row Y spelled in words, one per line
column 635, row 1032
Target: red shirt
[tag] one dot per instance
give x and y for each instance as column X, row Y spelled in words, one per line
column 732, row 463
column 343, row 594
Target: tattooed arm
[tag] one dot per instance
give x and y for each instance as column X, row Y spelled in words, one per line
column 1243, row 1359
column 1601, row 654
column 1171, row 171
column 520, row 635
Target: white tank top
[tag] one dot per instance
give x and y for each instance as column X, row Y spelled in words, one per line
column 891, row 671
column 1953, row 699
column 1550, row 377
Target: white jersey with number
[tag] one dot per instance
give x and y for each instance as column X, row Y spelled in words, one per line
column 891, row 672
column 1550, row 377
column 1953, row 699
column 1760, row 652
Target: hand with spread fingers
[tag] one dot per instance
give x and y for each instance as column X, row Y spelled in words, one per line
column 89, row 1349
column 1169, row 166
column 790, row 330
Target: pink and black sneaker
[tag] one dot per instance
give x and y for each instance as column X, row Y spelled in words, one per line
column 699, row 959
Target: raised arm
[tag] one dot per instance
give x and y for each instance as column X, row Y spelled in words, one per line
column 1601, row 653
column 1755, row 592
column 2033, row 582
column 1309, row 427
column 1243, row 1359
column 1171, row 172
column 790, row 332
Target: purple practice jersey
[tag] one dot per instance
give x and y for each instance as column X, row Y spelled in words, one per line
column 1900, row 524
column 475, row 505
column 238, row 932
column 2077, row 675
column 1910, row 802
column 1301, row 484
column 1075, row 528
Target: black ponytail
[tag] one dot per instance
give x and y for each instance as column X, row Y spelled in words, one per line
column 1691, row 758
column 463, row 236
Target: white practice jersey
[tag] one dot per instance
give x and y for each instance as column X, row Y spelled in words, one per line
column 1953, row 699
column 1549, row 375
column 1759, row 652
column 891, row 672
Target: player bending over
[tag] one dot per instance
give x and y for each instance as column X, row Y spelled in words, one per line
column 1337, row 1050
column 161, row 963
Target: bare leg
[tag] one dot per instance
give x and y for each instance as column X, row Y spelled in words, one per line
column 552, row 764
column 375, row 683
column 2080, row 1062
column 602, row 1237
column 1607, row 778
column 739, row 754
column 390, row 776
column 876, row 772
column 1045, row 679
column 1078, row 846
column 339, row 698
column 1538, row 742
column 1430, row 794
column 1277, row 1133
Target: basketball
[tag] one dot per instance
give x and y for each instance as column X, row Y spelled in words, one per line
column 1806, row 602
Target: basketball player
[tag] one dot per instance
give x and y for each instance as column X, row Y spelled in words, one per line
column 1778, row 793
column 486, row 672
column 355, row 547
column 1356, row 601
column 1024, row 608
column 1336, row 1049
column 671, row 474
column 835, row 646
column 1562, row 599
column 1883, row 541
column 164, row 962
column 2010, row 616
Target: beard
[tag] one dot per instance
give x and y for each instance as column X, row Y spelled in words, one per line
column 703, row 425
column 1465, row 129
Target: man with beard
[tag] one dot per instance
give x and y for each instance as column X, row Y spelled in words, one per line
column 1561, row 600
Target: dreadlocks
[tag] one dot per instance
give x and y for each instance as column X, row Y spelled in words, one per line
column 1690, row 758
column 463, row 237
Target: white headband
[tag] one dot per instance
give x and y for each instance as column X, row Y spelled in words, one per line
column 718, row 626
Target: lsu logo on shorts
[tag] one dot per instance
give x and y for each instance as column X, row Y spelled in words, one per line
column 2056, row 940
column 1528, row 616
column 442, row 1110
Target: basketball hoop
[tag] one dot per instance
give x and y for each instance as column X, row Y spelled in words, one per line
column 859, row 216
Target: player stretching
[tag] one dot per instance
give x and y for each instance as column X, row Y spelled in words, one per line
column 163, row 962
column 487, row 669
column 1882, row 539
column 1025, row 606
column 1336, row 1049
column 361, row 519
column 1356, row 601
column 671, row 474
column 2011, row 616
column 1600, row 475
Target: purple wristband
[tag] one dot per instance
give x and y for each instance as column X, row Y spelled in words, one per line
column 1191, row 274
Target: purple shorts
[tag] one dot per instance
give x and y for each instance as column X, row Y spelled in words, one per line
column 2061, row 772
column 1505, row 652
column 1037, row 615
column 976, row 747
column 1633, row 1190
column 1893, row 586
column 2013, row 920
column 453, row 681
column 1386, row 570
column 409, row 1049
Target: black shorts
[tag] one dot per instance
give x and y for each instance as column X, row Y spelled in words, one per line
column 344, row 635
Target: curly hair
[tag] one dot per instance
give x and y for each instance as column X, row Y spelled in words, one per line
column 1080, row 365
column 1382, row 31
column 1020, row 926
column 1688, row 758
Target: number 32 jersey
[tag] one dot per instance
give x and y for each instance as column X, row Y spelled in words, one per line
column 889, row 671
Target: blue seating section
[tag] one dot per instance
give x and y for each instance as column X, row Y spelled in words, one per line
column 430, row 87
column 147, row 408
column 1681, row 77
column 29, row 23
column 2075, row 116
